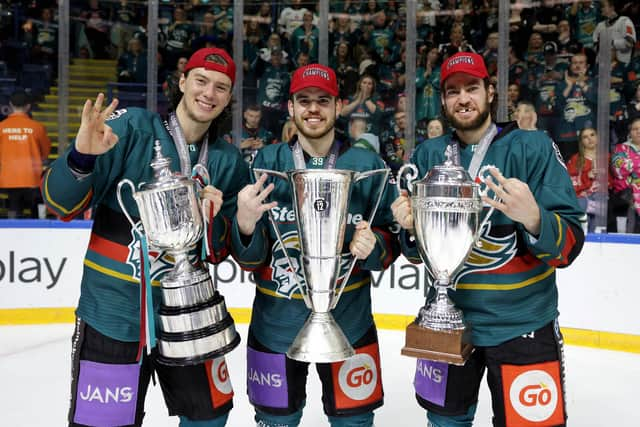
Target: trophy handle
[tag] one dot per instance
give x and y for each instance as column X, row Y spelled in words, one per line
column 359, row 176
column 121, row 184
column 412, row 174
column 303, row 290
column 200, row 174
column 483, row 192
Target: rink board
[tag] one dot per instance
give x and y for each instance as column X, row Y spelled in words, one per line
column 41, row 265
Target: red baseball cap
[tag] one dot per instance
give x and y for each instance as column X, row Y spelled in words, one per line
column 314, row 75
column 199, row 59
column 463, row 62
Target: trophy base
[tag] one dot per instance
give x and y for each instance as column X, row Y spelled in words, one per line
column 443, row 346
column 320, row 341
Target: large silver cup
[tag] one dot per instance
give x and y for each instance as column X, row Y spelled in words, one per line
column 321, row 201
column 194, row 322
column 447, row 209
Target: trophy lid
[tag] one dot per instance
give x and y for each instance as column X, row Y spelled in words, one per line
column 448, row 173
column 162, row 175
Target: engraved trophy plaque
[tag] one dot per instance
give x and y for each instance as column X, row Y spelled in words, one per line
column 194, row 322
column 446, row 208
column 321, row 201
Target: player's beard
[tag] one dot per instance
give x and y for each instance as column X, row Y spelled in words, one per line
column 483, row 114
column 316, row 133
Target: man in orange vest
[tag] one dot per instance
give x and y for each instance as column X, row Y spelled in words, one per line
column 24, row 145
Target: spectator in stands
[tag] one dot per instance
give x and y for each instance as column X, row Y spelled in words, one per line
column 435, row 128
column 584, row 16
column 621, row 30
column 625, row 173
column 490, row 53
column 254, row 136
column 546, row 19
column 525, row 115
column 534, row 54
column 123, row 26
column 564, row 39
column 42, row 37
column 291, row 18
column 576, row 105
column 618, row 115
column 97, row 28
column 360, row 138
column 132, row 65
column 346, row 70
column 428, row 84
column 513, row 97
column 273, row 90
column 173, row 78
column 633, row 107
column 289, row 129
column 274, row 43
column 24, row 148
column 180, row 34
column 583, row 172
column 543, row 83
column 364, row 104
column 223, row 18
column 305, row 39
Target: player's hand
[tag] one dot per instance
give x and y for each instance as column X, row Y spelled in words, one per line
column 363, row 241
column 402, row 213
column 94, row 136
column 246, row 143
column 251, row 206
column 515, row 200
column 211, row 200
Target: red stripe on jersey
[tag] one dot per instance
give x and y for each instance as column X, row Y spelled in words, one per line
column 108, row 248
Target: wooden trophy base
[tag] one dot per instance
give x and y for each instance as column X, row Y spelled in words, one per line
column 443, row 346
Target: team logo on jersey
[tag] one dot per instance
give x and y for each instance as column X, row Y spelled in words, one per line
column 533, row 394
column 116, row 114
column 285, row 274
column 160, row 261
column 493, row 253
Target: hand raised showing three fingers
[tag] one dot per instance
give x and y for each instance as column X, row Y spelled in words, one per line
column 94, row 136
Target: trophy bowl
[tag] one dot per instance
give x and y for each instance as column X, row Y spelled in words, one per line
column 321, row 201
column 446, row 207
column 194, row 323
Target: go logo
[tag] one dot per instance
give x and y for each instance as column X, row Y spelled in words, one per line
column 220, row 376
column 534, row 395
column 358, row 377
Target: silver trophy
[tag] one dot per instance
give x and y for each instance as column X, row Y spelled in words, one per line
column 194, row 322
column 447, row 209
column 321, row 201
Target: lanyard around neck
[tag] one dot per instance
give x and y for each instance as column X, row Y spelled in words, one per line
column 181, row 146
column 298, row 156
column 479, row 153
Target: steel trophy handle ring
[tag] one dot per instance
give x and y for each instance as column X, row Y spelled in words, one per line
column 412, row 173
column 121, row 185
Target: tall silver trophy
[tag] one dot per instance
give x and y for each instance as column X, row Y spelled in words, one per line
column 321, row 201
column 194, row 322
column 447, row 209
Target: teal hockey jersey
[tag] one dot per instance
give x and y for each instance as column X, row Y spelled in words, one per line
column 507, row 287
column 109, row 297
column 278, row 309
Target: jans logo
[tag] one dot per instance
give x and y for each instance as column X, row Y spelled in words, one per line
column 494, row 253
column 533, row 394
column 161, row 263
column 358, row 377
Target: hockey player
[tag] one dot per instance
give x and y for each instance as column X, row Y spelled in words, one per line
column 506, row 289
column 115, row 144
column 276, row 384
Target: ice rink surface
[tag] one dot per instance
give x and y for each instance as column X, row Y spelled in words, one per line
column 602, row 386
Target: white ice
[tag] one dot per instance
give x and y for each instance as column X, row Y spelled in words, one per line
column 35, row 365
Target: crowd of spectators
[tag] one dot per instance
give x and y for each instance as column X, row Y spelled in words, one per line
column 553, row 51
